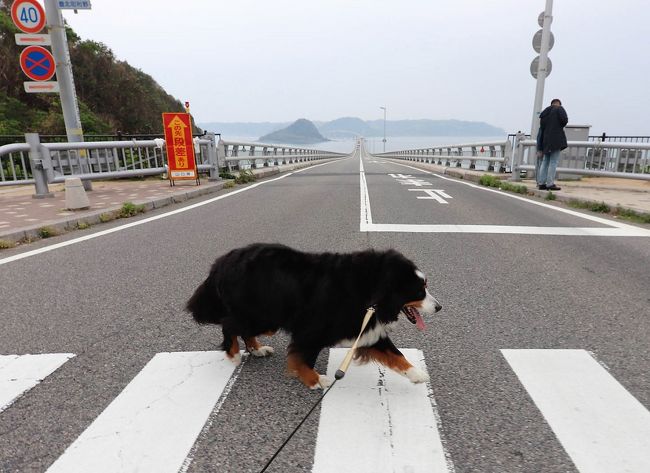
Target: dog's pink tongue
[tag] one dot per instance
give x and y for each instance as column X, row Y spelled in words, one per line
column 419, row 323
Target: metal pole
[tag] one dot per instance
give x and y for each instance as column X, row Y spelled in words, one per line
column 384, row 140
column 66, row 82
column 39, row 163
column 541, row 70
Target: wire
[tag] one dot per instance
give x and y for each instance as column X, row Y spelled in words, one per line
column 277, row 452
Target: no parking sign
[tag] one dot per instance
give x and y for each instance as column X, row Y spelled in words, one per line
column 37, row 63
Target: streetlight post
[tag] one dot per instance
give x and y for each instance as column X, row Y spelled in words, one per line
column 384, row 140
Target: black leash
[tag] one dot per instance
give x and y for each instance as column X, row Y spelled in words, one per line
column 338, row 375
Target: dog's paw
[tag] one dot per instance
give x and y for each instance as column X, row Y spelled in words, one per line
column 416, row 375
column 323, row 382
column 236, row 359
column 262, row 351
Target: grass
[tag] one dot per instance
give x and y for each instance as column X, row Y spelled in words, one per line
column 129, row 209
column 47, row 232
column 632, row 215
column 82, row 225
column 227, row 175
column 550, row 196
column 6, row 244
column 491, row 181
column 229, row 185
column 107, row 217
column 601, row 207
column 245, row 176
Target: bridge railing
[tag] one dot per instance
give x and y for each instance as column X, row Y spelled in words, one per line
column 245, row 155
column 630, row 160
column 492, row 155
column 41, row 164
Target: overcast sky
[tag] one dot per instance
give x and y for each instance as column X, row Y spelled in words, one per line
column 279, row 60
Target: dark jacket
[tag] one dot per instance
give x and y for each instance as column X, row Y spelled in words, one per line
column 551, row 123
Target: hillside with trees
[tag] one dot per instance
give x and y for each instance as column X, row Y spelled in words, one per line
column 112, row 94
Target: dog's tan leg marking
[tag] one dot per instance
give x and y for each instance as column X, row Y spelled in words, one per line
column 393, row 361
column 255, row 348
column 309, row 376
column 233, row 352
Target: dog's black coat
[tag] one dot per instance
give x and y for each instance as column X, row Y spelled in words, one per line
column 319, row 299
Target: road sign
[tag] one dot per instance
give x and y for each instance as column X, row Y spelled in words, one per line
column 40, row 87
column 37, row 63
column 540, row 19
column 74, row 4
column 537, row 41
column 28, row 15
column 29, row 39
column 535, row 65
column 180, row 148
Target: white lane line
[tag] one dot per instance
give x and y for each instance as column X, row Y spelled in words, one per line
column 153, row 423
column 506, row 229
column 365, row 212
column 593, row 218
column 375, row 420
column 601, row 426
column 73, row 241
column 20, row 373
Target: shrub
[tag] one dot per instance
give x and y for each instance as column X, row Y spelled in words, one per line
column 82, row 225
column 229, row 185
column 550, row 196
column 245, row 176
column 47, row 232
column 593, row 206
column 227, row 175
column 489, row 181
column 6, row 244
column 106, row 217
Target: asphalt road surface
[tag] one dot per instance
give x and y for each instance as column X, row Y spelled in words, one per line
column 539, row 360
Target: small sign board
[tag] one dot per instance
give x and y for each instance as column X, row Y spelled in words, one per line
column 537, row 41
column 28, row 15
column 180, row 147
column 37, row 63
column 40, row 87
column 74, row 4
column 30, row 39
column 534, row 66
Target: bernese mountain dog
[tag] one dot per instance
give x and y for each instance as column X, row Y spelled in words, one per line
column 319, row 299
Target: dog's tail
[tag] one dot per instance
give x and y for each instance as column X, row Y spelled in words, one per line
column 205, row 304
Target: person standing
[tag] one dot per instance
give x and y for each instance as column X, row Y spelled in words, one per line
column 551, row 141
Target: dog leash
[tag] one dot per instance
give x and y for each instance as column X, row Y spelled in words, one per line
column 340, row 373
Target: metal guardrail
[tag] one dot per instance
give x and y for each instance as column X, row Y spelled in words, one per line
column 41, row 164
column 630, row 160
column 493, row 155
column 243, row 155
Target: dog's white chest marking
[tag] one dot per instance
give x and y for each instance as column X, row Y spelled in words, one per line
column 369, row 337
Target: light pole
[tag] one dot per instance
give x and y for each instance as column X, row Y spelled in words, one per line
column 384, row 140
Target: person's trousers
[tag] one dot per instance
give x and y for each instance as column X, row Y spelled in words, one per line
column 547, row 168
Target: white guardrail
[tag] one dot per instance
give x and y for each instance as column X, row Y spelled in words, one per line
column 630, row 160
column 490, row 155
column 41, row 164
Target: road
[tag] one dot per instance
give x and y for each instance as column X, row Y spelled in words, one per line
column 539, row 360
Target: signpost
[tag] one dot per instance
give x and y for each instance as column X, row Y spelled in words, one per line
column 180, row 147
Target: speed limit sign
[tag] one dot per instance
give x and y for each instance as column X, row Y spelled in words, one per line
column 28, row 15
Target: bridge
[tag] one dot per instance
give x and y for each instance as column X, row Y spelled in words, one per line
column 538, row 360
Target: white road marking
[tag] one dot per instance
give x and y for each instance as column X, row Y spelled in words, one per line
column 600, row 424
column 153, row 423
column 375, row 420
column 73, row 241
column 619, row 229
column 365, row 212
column 414, row 182
column 20, row 373
column 433, row 195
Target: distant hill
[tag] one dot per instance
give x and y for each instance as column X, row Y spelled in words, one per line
column 348, row 127
column 300, row 132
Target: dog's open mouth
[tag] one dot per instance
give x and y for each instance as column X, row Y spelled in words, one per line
column 413, row 316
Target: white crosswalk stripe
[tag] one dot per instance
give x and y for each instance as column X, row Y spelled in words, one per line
column 372, row 421
column 600, row 424
column 369, row 421
column 153, row 423
column 20, row 373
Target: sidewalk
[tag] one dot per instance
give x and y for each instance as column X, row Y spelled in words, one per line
column 21, row 216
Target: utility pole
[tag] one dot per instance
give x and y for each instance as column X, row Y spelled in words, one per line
column 384, row 140
column 65, row 79
column 543, row 69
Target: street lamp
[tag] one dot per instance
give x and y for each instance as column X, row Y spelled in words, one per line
column 384, row 140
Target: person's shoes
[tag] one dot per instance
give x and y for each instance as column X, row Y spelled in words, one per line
column 552, row 188
column 542, row 187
